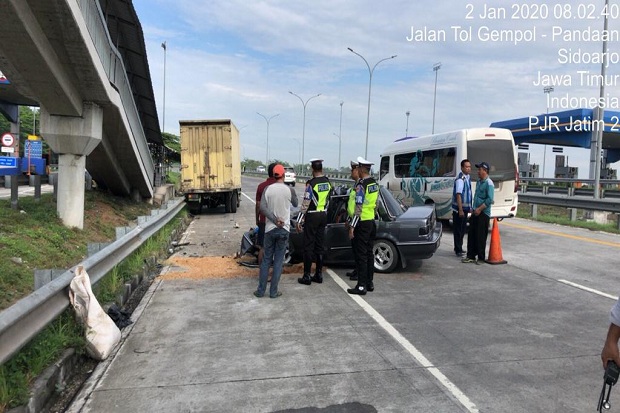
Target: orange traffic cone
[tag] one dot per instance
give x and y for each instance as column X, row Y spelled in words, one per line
column 495, row 250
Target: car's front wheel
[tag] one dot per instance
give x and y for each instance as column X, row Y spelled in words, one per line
column 386, row 256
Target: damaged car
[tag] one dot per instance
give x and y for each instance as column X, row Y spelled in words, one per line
column 403, row 234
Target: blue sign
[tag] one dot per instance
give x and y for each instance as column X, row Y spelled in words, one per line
column 8, row 162
column 33, row 166
column 33, row 149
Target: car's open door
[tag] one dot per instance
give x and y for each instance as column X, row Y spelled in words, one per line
column 337, row 242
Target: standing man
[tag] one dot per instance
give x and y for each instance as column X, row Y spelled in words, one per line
column 610, row 349
column 363, row 229
column 479, row 221
column 276, row 207
column 351, row 211
column 461, row 205
column 314, row 213
column 260, row 218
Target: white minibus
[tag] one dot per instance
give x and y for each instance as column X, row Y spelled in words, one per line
column 421, row 170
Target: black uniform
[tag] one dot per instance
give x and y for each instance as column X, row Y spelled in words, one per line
column 314, row 214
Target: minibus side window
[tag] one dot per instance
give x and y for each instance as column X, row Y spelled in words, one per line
column 402, row 163
column 384, row 168
column 430, row 163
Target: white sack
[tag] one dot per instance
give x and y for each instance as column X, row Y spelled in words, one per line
column 101, row 332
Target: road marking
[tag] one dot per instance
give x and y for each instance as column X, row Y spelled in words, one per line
column 253, row 201
column 592, row 290
column 559, row 234
column 417, row 355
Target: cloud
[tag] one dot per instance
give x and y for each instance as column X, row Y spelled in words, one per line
column 231, row 59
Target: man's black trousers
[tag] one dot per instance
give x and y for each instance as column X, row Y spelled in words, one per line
column 363, row 238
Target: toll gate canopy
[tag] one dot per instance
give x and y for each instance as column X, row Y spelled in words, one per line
column 575, row 128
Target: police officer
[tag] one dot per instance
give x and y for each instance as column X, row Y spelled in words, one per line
column 351, row 210
column 363, row 229
column 313, row 213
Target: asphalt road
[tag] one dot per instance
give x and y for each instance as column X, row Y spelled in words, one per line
column 438, row 336
column 25, row 190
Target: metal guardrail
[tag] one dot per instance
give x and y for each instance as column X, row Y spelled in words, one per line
column 23, row 320
column 572, row 195
column 592, row 204
column 571, row 180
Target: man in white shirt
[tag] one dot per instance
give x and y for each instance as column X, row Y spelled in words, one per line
column 276, row 207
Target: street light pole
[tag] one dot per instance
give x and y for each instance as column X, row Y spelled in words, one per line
column 339, row 148
column 163, row 127
column 436, row 68
column 299, row 150
column 303, row 131
column 34, row 120
column 407, row 129
column 267, row 120
column 547, row 90
column 340, row 136
column 370, row 72
column 600, row 125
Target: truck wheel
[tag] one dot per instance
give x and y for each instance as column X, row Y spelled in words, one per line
column 234, row 202
column 227, row 203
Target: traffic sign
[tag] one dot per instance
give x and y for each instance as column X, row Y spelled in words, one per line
column 8, row 162
column 8, row 139
column 33, row 149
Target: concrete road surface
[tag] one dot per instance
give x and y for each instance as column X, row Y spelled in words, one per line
column 438, row 336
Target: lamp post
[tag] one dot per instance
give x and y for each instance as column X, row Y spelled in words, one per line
column 267, row 120
column 340, row 136
column 407, row 129
column 299, row 148
column 339, row 148
column 547, row 90
column 303, row 130
column 370, row 72
column 163, row 127
column 436, row 68
column 600, row 126
column 34, row 120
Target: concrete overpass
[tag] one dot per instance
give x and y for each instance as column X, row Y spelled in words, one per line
column 84, row 63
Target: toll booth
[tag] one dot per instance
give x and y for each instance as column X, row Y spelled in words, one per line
column 526, row 169
column 563, row 170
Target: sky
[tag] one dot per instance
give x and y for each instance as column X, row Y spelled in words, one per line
column 234, row 59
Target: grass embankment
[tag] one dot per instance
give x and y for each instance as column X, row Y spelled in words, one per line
column 559, row 215
column 33, row 237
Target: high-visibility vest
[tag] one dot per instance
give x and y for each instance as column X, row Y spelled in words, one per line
column 371, row 192
column 321, row 188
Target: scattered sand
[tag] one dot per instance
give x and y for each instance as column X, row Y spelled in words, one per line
column 196, row 268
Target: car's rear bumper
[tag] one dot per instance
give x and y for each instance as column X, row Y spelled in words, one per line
column 419, row 250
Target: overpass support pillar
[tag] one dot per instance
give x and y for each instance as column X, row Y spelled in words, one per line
column 70, row 196
column 73, row 138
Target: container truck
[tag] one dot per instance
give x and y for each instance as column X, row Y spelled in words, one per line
column 210, row 164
